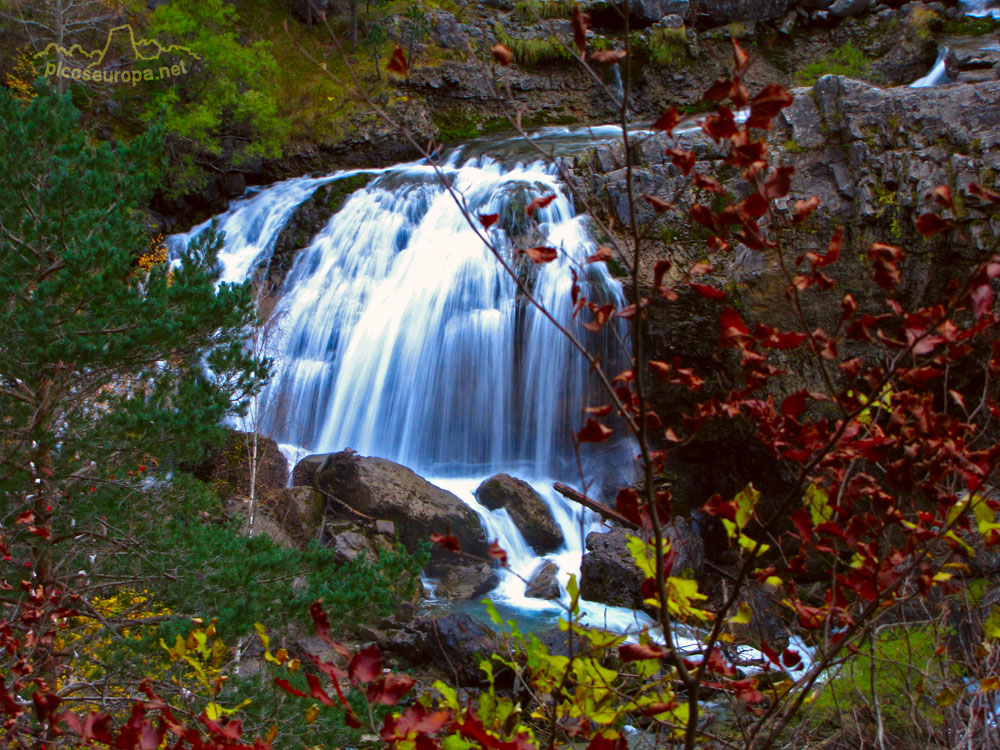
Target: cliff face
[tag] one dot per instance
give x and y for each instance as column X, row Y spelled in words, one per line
column 871, row 155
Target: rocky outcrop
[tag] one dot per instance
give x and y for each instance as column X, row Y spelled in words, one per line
column 231, row 467
column 871, row 155
column 378, row 488
column 609, row 574
column 526, row 508
column 719, row 12
column 350, row 540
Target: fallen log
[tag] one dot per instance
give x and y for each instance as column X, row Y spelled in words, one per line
column 605, row 511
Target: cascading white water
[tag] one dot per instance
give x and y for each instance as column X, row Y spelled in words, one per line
column 399, row 334
column 938, row 74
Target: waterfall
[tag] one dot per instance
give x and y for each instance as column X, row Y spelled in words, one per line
column 982, row 8
column 938, row 75
column 399, row 334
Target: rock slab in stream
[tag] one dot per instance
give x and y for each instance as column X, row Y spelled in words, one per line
column 379, row 488
column 526, row 508
column 608, row 573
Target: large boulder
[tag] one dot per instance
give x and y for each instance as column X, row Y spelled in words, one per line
column 467, row 579
column 526, row 508
column 453, row 644
column 379, row 488
column 296, row 511
column 543, row 582
column 608, row 573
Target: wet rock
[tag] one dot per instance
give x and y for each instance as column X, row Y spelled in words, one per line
column 379, row 488
column 454, row 644
column 526, row 508
column 232, row 184
column 305, row 469
column 608, row 573
column 543, row 582
column 467, row 579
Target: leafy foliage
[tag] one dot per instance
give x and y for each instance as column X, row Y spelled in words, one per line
column 846, row 60
column 229, row 105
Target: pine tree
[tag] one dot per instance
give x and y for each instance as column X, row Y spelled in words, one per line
column 105, row 356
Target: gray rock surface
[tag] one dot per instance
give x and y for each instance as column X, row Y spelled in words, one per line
column 608, row 573
column 350, row 541
column 718, row 12
column 526, row 508
column 454, row 644
column 542, row 583
column 848, row 8
column 382, row 489
column 467, row 579
column 651, row 11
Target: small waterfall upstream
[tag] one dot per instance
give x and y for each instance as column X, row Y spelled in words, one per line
column 398, row 334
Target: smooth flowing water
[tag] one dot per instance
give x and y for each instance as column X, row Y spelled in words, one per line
column 398, row 333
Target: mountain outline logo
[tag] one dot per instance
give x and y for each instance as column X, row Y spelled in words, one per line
column 101, row 53
column 144, row 50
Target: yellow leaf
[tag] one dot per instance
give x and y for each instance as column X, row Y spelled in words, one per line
column 311, row 713
column 573, row 589
column 265, row 639
column 742, row 616
column 989, row 684
column 293, row 665
column 641, row 555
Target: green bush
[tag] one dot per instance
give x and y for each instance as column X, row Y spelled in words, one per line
column 847, row 60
